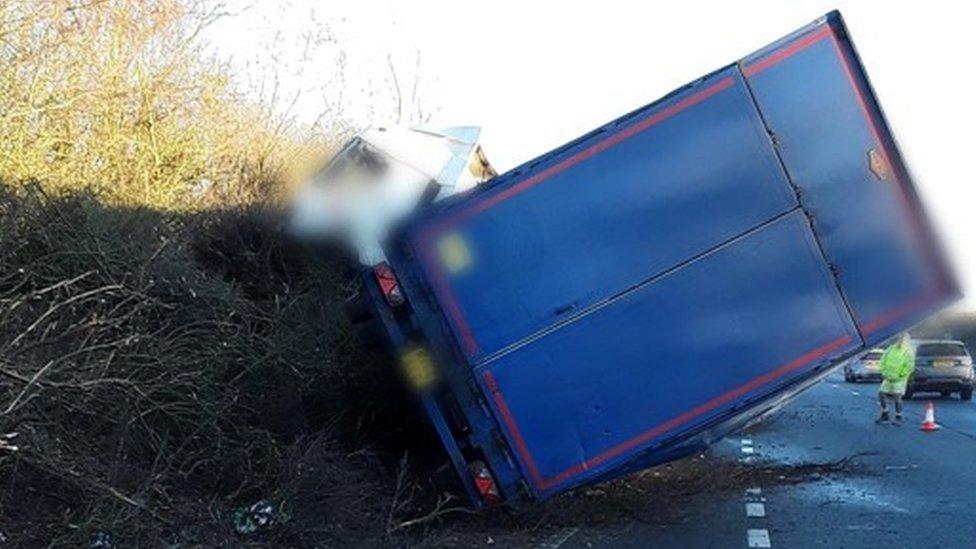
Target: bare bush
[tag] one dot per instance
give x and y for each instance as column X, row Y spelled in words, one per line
column 150, row 389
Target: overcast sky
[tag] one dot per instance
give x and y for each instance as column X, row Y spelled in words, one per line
column 536, row 74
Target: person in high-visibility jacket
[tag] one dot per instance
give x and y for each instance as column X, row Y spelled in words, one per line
column 897, row 365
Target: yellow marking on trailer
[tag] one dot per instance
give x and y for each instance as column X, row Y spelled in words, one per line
column 454, row 252
column 418, row 367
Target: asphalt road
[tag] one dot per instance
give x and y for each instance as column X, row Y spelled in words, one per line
column 895, row 486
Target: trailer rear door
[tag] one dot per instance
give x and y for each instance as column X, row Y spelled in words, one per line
column 837, row 149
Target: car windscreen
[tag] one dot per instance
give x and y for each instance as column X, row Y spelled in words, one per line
column 355, row 164
column 940, row 349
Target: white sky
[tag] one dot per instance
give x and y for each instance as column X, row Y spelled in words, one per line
column 535, row 74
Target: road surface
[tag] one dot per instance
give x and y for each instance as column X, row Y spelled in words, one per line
column 820, row 473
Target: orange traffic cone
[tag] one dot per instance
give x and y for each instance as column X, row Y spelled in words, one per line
column 929, row 423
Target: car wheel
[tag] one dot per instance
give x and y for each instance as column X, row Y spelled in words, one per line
column 908, row 394
column 848, row 377
column 945, row 394
column 966, row 394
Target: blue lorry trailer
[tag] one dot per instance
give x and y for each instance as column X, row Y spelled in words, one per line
column 641, row 292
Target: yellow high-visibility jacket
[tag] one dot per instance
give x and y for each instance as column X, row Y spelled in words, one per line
column 897, row 362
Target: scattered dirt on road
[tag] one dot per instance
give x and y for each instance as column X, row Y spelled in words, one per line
column 657, row 496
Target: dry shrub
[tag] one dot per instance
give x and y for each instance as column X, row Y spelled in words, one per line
column 118, row 96
column 331, row 495
column 153, row 390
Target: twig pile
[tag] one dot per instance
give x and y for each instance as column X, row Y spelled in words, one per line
column 156, row 370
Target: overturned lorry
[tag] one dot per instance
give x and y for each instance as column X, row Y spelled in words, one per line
column 639, row 293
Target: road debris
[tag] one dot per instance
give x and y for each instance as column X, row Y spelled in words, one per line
column 260, row 516
column 900, row 467
column 101, row 540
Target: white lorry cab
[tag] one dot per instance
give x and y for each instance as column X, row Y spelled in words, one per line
column 379, row 177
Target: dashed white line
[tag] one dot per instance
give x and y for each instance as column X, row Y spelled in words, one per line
column 755, row 508
column 747, row 450
column 758, row 537
column 558, row 538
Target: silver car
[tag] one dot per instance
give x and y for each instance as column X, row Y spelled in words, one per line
column 866, row 367
column 942, row 366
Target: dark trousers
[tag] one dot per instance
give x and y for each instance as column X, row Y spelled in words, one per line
column 883, row 398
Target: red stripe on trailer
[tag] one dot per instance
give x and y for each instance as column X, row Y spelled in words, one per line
column 512, row 427
column 890, row 316
column 794, row 47
column 593, row 150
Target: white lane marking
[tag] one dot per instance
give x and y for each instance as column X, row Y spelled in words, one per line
column 855, row 393
column 755, row 510
column 754, row 494
column 747, row 442
column 556, row 539
column 758, row 537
